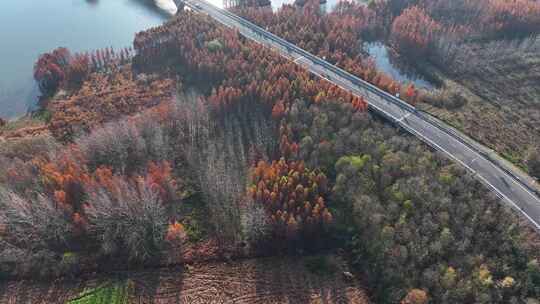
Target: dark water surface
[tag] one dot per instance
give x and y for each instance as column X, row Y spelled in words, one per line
column 31, row 27
column 383, row 62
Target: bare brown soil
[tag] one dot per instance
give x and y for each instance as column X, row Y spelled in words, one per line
column 267, row 280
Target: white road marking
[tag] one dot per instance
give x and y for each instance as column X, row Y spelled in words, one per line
column 404, row 117
column 297, row 59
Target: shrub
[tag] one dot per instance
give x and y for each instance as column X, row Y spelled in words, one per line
column 176, row 233
column 214, row 45
column 69, row 264
column 444, row 99
column 533, row 162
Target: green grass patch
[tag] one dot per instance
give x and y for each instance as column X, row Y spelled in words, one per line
column 116, row 293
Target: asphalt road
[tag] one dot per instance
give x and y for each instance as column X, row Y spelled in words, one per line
column 504, row 184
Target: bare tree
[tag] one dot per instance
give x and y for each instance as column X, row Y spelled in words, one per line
column 255, row 223
column 217, row 148
column 34, row 223
column 131, row 218
column 123, row 145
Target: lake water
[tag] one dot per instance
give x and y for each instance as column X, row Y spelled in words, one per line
column 31, row 27
column 380, row 54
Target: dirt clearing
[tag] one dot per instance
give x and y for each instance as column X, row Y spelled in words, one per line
column 266, row 280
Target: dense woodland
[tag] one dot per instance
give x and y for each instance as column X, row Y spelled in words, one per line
column 336, row 36
column 489, row 47
column 199, row 134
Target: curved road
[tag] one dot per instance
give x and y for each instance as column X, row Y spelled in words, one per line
column 419, row 124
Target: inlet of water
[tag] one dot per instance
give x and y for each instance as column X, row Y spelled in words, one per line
column 383, row 61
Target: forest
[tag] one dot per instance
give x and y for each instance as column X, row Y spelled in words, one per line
column 482, row 56
column 198, row 144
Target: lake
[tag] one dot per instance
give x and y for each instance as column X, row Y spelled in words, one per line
column 29, row 28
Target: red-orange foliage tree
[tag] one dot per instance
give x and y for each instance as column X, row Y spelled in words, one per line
column 293, row 196
column 413, row 32
column 59, row 68
column 64, row 179
column 68, row 181
column 335, row 36
column 486, row 19
column 175, row 233
column 79, row 68
column 50, row 70
column 239, row 71
column 158, row 179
